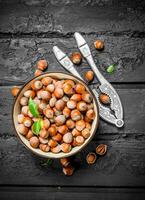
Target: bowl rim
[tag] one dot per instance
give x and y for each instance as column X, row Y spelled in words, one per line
column 66, row 154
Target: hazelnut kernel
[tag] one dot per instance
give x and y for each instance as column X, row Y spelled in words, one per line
column 57, row 137
column 52, row 101
column 29, row 134
column 42, row 65
column 49, row 113
column 76, row 58
column 75, row 132
column 68, row 89
column 99, row 44
column 90, row 114
column 50, row 88
column 27, row 122
column 62, row 129
column 46, row 123
column 29, row 93
column 25, row 110
column 34, row 142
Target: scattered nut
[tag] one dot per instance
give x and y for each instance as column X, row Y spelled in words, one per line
column 15, row 90
column 42, row 65
column 91, row 158
column 37, row 72
column 101, row 149
column 68, row 171
column 89, row 76
column 99, row 44
column 76, row 58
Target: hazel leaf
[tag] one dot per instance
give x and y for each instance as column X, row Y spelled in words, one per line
column 37, row 126
column 111, row 69
column 33, row 108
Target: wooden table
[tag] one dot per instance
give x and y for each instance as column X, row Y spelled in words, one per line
column 28, row 31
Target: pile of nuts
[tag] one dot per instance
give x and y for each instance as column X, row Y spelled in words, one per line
column 66, row 110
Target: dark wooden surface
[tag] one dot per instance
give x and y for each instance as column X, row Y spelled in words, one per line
column 28, row 31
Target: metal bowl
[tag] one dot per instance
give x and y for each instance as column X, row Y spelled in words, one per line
column 16, row 111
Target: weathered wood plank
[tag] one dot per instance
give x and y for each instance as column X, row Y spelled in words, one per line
column 34, row 193
column 133, row 101
column 19, row 56
column 85, row 16
column 123, row 165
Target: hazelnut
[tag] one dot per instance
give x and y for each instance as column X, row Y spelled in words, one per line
column 45, row 95
column 43, row 140
column 30, row 114
column 68, row 137
column 91, row 158
column 29, row 134
column 79, row 140
column 101, row 149
column 52, row 101
column 52, row 131
column 71, row 104
column 49, row 113
column 50, row 88
column 60, row 104
column 42, row 65
column 68, row 89
column 70, row 124
column 44, row 133
column 24, row 101
column 36, row 85
column 90, row 106
column 68, row 171
column 75, row 132
column 86, row 133
column 57, row 112
column 59, row 84
column 27, row 122
column 37, row 72
column 46, row 81
column 20, row 118
column 57, row 137
column 90, row 114
column 42, row 106
column 25, row 110
column 62, row 129
column 71, row 82
column 80, row 89
column 44, row 147
column 56, row 149
column 80, row 125
column 64, row 162
column 89, row 76
column 74, row 143
column 76, row 97
column 65, row 98
column 88, row 125
column 65, row 147
column 75, row 115
column 15, row 90
column 22, row 129
column 88, row 119
column 58, row 93
column 46, row 123
column 99, row 44
column 36, row 100
column 81, row 106
column 34, row 142
column 66, row 112
column 87, row 97
column 76, row 58
column 52, row 143
column 60, row 120
column 29, row 93
column 104, row 98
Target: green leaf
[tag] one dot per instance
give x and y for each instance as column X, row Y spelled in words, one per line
column 33, row 108
column 111, row 69
column 37, row 126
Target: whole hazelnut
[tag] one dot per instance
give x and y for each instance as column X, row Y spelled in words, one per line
column 79, row 140
column 80, row 89
column 20, row 118
column 43, row 140
column 76, row 58
column 68, row 171
column 60, row 120
column 67, row 138
column 52, row 131
column 88, row 125
column 44, row 147
column 82, row 106
column 80, row 125
column 52, row 101
column 70, row 124
column 66, row 112
column 90, row 114
column 65, row 98
column 87, row 97
column 89, row 76
column 34, row 142
column 65, row 161
column 42, row 106
column 76, row 97
column 65, row 147
column 29, row 134
column 23, row 130
column 99, row 44
column 52, row 143
column 71, row 82
column 104, row 98
column 42, row 65
column 49, row 113
column 44, row 133
column 75, row 132
column 46, row 81
column 46, row 123
column 25, row 110
column 36, row 85
column 58, row 93
column 86, row 133
column 57, row 112
column 68, row 89
column 71, row 104
column 24, row 101
column 15, row 90
column 45, row 95
column 50, row 88
column 27, row 122
column 29, row 93
column 62, row 129
column 56, row 149
column 60, row 104
column 75, row 115
column 57, row 137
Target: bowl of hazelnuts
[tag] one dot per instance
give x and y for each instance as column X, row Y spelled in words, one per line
column 55, row 115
